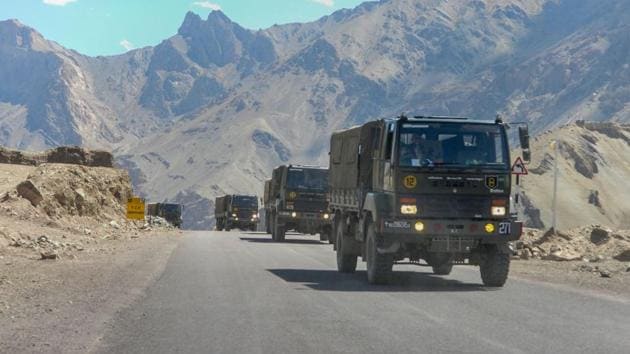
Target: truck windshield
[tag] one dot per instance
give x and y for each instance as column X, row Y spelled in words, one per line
column 243, row 201
column 308, row 179
column 172, row 209
column 452, row 144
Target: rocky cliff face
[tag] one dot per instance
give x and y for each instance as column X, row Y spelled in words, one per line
column 212, row 109
column 592, row 170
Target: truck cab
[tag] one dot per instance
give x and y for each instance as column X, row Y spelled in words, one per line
column 236, row 211
column 425, row 188
column 298, row 200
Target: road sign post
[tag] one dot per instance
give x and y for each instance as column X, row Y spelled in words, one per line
column 518, row 169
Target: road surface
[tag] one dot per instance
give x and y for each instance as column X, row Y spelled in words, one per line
column 232, row 292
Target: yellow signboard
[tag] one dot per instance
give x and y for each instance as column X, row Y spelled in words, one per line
column 135, row 209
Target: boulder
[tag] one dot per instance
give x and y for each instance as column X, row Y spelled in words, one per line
column 600, row 235
column 28, row 191
column 623, row 256
column 563, row 256
column 48, row 254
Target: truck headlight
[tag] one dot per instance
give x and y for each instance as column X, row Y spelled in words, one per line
column 489, row 228
column 255, row 216
column 233, row 215
column 419, row 226
column 498, row 211
column 326, row 216
column 293, row 214
column 409, row 209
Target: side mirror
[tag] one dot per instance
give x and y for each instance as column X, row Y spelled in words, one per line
column 523, row 135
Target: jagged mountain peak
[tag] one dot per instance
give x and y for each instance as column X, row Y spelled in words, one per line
column 14, row 33
column 194, row 25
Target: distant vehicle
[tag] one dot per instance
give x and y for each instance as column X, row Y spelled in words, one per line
column 296, row 198
column 236, row 211
column 168, row 211
column 429, row 188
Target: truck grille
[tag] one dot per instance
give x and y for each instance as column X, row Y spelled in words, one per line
column 454, row 207
column 310, row 205
column 245, row 214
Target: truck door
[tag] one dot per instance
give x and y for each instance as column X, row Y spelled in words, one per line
column 388, row 157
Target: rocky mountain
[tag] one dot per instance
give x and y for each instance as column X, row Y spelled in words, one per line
column 593, row 170
column 212, row 109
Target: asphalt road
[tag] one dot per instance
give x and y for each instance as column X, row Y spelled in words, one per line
column 234, row 292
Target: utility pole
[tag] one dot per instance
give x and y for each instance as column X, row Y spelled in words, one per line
column 555, row 187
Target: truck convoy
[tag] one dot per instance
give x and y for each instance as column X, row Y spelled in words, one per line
column 236, row 211
column 296, row 199
column 168, row 211
column 430, row 188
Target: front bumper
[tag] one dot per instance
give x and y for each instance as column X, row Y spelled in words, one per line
column 243, row 221
column 485, row 231
column 310, row 219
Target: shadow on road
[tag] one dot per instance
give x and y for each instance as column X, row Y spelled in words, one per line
column 405, row 281
column 269, row 240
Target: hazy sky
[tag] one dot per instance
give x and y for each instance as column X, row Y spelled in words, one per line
column 102, row 27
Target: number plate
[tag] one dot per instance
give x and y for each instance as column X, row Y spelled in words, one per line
column 505, row 228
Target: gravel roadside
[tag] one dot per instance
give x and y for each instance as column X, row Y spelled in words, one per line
column 607, row 277
column 63, row 305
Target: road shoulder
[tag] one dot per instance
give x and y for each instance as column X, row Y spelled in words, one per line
column 64, row 305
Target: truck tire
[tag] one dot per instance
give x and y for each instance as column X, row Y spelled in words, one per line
column 270, row 226
column 267, row 225
column 442, row 269
column 442, row 263
column 219, row 225
column 346, row 262
column 278, row 231
column 325, row 234
column 379, row 265
column 494, row 267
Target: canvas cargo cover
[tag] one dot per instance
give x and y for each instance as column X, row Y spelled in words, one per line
column 351, row 156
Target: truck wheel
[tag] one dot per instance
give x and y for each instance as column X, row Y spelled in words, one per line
column 324, row 234
column 379, row 265
column 494, row 267
column 442, row 269
column 219, row 225
column 228, row 227
column 267, row 225
column 278, row 232
column 442, row 263
column 346, row 263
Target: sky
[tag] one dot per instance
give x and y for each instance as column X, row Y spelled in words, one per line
column 107, row 27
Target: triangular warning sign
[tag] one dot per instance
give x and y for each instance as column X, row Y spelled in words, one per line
column 518, row 168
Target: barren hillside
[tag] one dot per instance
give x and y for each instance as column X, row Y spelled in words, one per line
column 58, row 209
column 214, row 108
column 594, row 170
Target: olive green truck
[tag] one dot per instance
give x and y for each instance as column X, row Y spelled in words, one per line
column 296, row 198
column 424, row 188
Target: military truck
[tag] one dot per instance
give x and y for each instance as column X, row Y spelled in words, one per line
column 168, row 211
column 297, row 200
column 424, row 188
column 267, row 200
column 236, row 211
